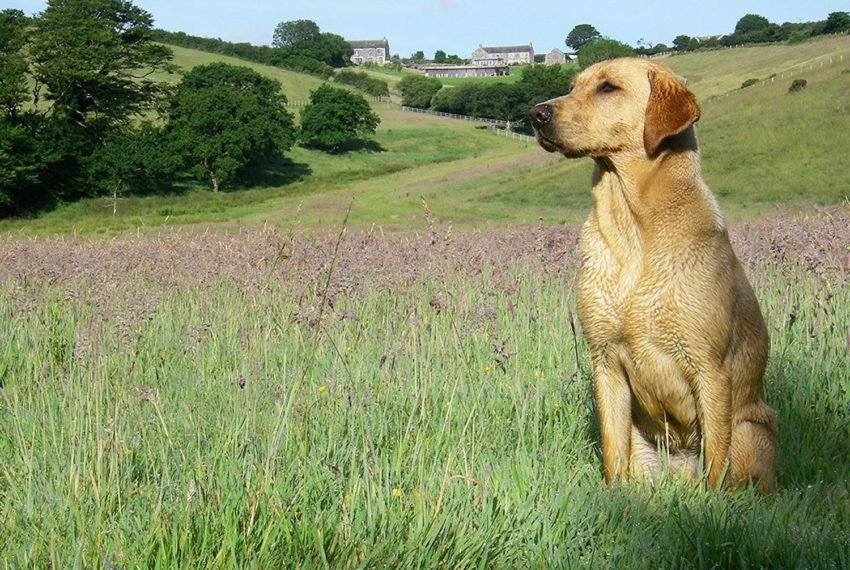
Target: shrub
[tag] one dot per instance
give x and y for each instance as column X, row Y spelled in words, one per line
column 600, row 50
column 749, row 82
column 797, row 85
column 417, row 90
column 363, row 81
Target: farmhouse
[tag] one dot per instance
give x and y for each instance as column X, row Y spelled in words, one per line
column 465, row 70
column 495, row 56
column 557, row 57
column 370, row 51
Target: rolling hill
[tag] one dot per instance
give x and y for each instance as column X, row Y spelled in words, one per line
column 762, row 148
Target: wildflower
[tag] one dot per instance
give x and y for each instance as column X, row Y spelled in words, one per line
column 536, row 373
column 323, row 389
column 556, row 406
column 486, row 369
column 396, row 492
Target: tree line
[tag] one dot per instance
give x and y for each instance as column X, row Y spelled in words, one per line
column 85, row 110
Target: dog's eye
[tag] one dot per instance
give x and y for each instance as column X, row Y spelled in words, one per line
column 606, row 87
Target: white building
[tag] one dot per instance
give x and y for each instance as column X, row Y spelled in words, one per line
column 509, row 55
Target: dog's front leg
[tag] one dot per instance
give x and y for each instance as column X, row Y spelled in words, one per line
column 715, row 401
column 613, row 404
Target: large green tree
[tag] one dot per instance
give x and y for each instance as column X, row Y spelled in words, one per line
column 225, row 119
column 336, row 116
column 294, row 32
column 13, row 63
column 837, row 22
column 600, row 50
column 580, row 35
column 94, row 61
column 751, row 23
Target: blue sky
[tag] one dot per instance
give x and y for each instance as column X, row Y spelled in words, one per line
column 458, row 26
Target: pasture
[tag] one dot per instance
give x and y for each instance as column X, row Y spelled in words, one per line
column 300, row 399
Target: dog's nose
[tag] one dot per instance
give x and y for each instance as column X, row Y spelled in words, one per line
column 540, row 115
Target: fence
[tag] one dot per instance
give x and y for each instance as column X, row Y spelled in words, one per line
column 306, row 102
column 507, row 124
column 794, row 71
column 511, row 135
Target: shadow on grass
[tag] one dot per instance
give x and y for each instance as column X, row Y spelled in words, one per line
column 278, row 172
column 354, row 145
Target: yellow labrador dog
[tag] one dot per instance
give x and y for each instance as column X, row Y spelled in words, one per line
column 677, row 340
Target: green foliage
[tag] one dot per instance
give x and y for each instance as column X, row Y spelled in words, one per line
column 417, row 90
column 798, row 85
column 601, row 50
column 336, row 116
column 304, row 39
column 439, row 56
column 751, row 23
column 294, row 33
column 837, row 22
column 135, row 160
column 94, row 59
column 542, row 82
column 13, row 63
column 418, row 56
column 20, row 167
column 749, row 82
column 224, row 119
column 581, row 35
column 363, row 81
column 685, row 43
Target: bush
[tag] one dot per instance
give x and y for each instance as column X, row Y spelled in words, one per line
column 749, row 82
column 363, row 81
column 797, row 85
column 417, row 90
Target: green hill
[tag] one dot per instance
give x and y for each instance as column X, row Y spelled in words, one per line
column 762, row 148
column 296, row 86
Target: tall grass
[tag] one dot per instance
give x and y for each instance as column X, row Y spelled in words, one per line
column 436, row 414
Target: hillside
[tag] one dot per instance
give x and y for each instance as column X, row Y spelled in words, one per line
column 762, row 148
column 296, row 86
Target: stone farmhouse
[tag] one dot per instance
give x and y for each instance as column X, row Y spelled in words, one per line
column 498, row 56
column 370, row 51
column 557, row 57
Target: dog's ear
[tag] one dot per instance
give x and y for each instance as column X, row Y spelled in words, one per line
column 671, row 110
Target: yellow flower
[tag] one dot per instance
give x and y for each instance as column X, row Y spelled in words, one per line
column 536, row 373
column 397, row 492
column 323, row 389
column 556, row 406
column 486, row 369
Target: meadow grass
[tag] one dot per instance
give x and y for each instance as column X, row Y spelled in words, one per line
column 193, row 417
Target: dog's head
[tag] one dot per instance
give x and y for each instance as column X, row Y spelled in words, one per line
column 616, row 106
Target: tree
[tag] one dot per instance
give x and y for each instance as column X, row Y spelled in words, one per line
column 336, row 116
column 13, row 63
column 600, row 50
column 418, row 56
column 543, row 82
column 580, row 35
column 95, row 60
column 685, row 43
column 224, row 119
column 417, row 90
column 439, row 56
column 837, row 22
column 295, row 32
column 751, row 23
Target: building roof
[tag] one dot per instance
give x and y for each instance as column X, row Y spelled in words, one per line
column 556, row 50
column 366, row 44
column 443, row 67
column 507, row 49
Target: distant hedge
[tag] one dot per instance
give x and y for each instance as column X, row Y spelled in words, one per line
column 257, row 54
column 363, row 81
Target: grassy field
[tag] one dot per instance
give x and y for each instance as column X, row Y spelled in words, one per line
column 261, row 400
